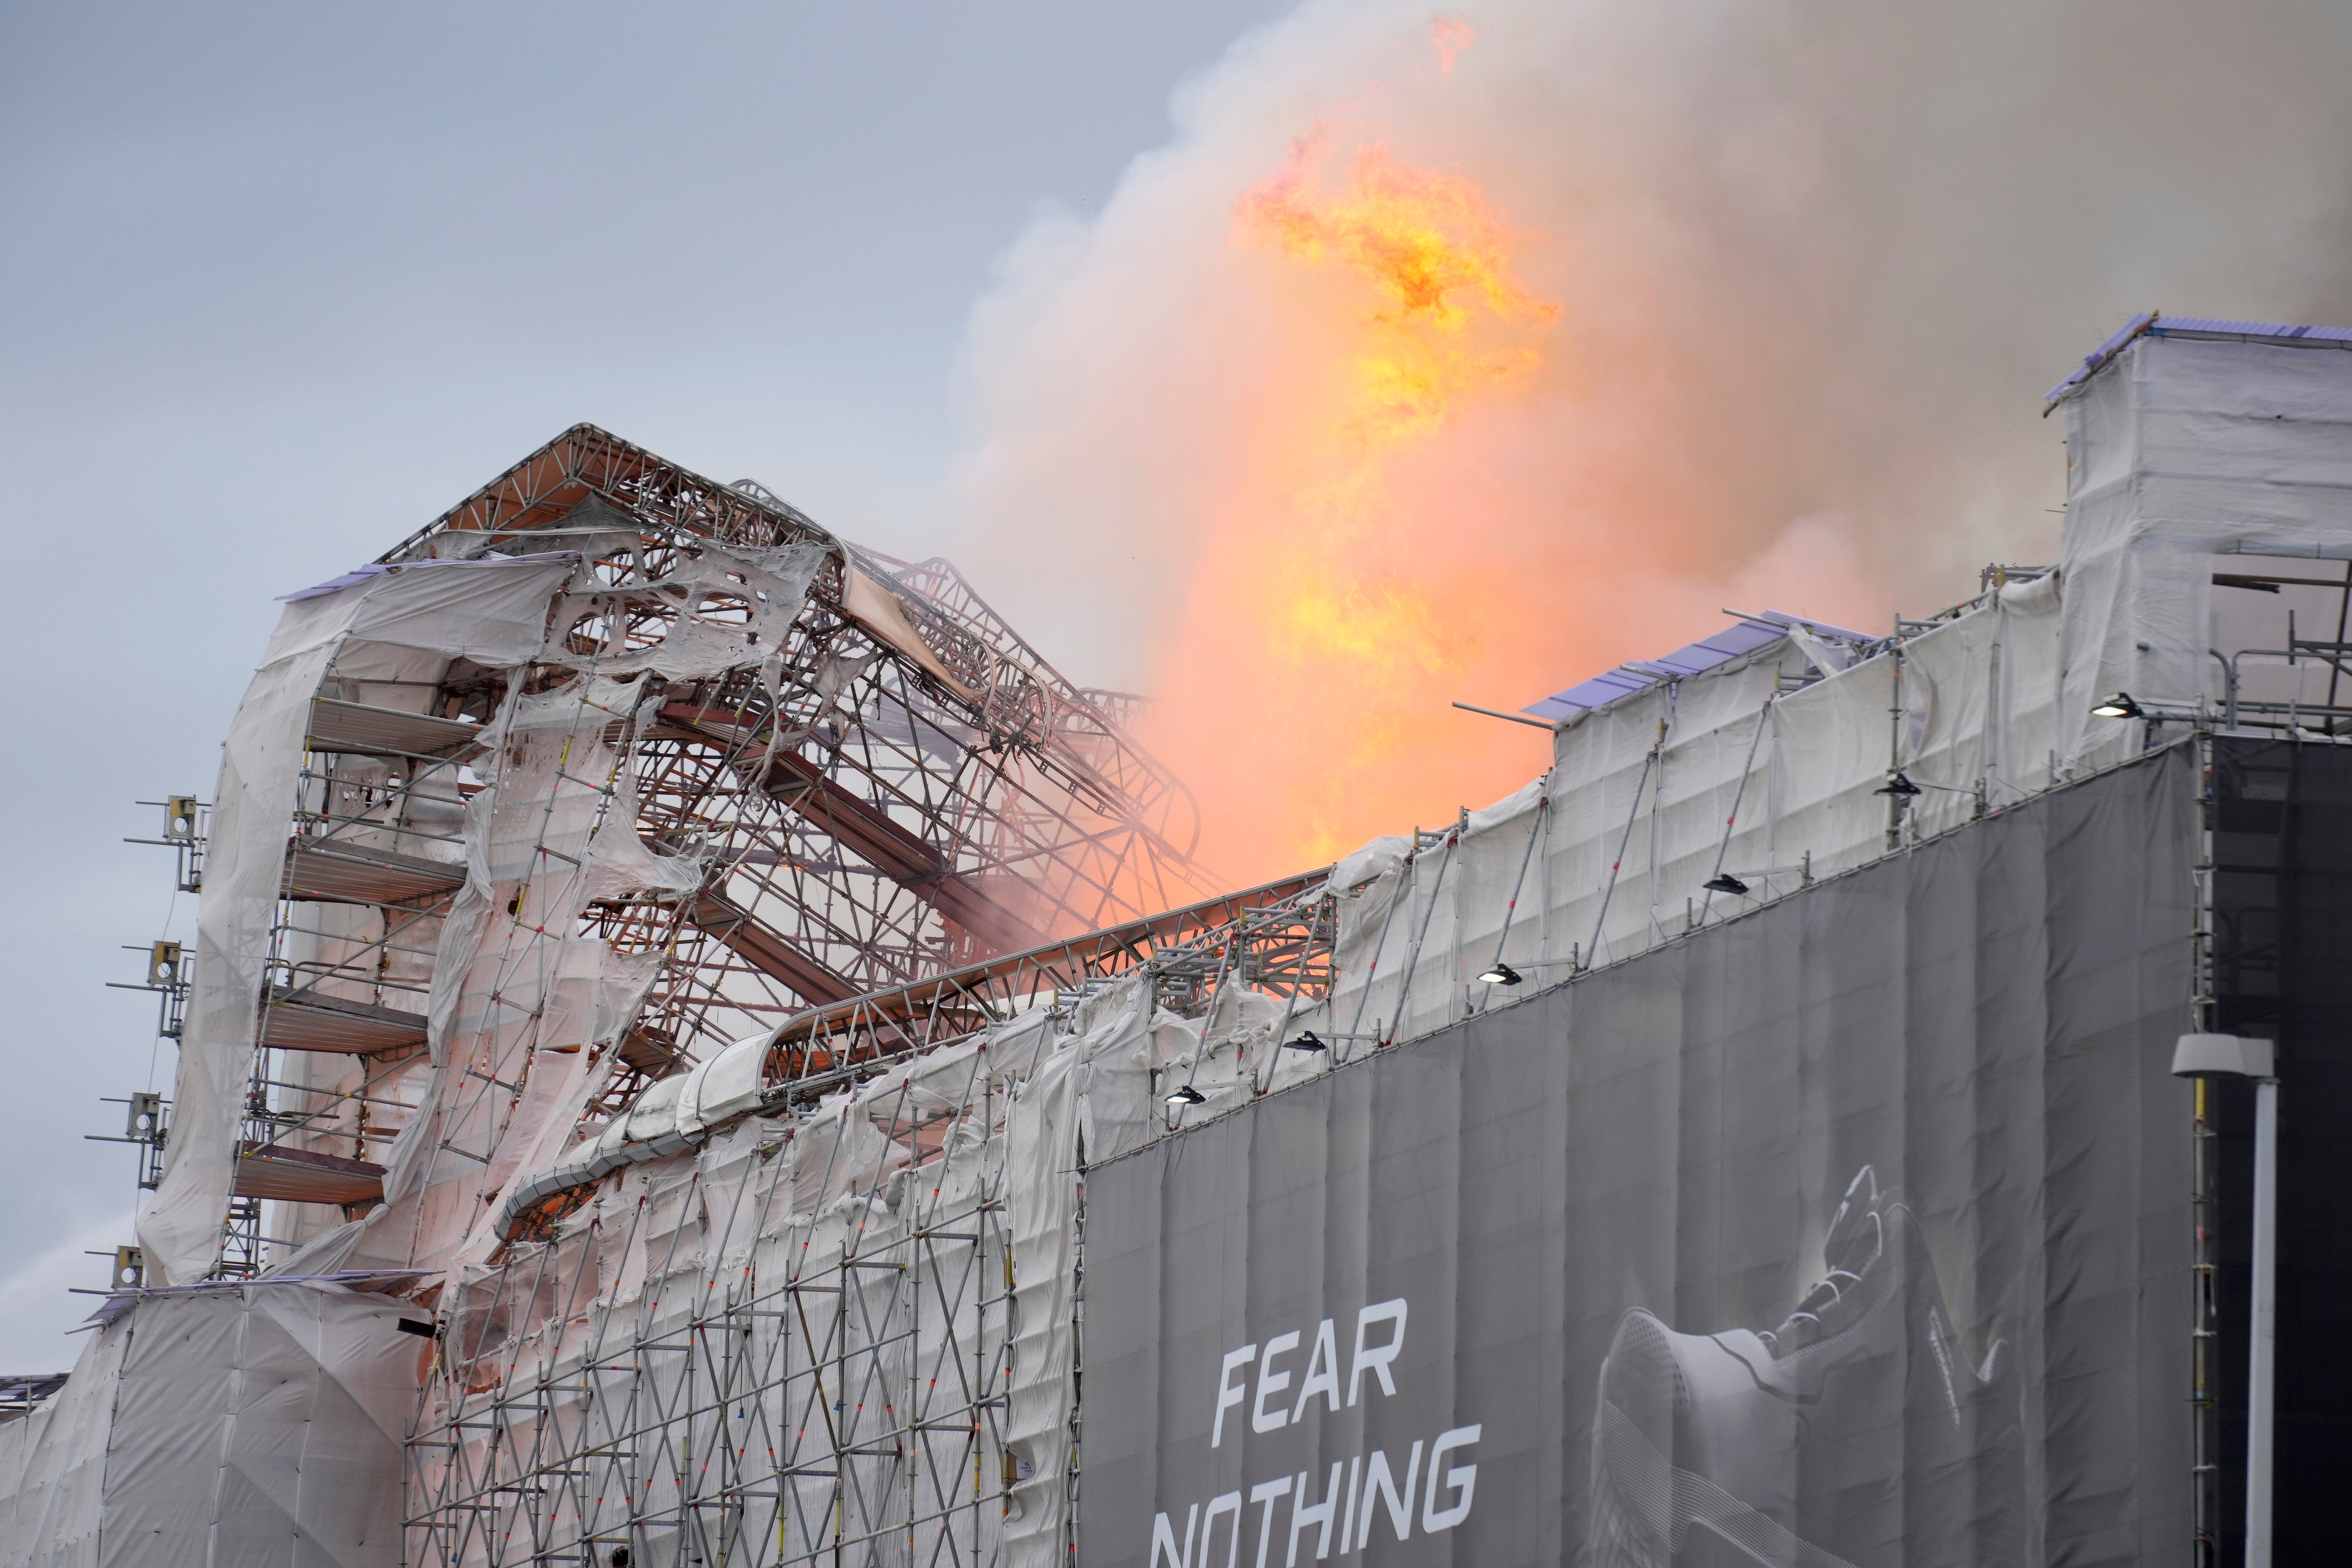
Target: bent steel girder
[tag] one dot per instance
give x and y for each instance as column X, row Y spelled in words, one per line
column 1089, row 723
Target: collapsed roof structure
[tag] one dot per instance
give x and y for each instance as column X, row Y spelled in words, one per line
column 664, row 972
column 607, row 756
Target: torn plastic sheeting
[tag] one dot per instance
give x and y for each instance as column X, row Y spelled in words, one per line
column 533, row 824
column 509, row 981
column 494, row 611
column 655, row 1237
column 677, row 1113
column 1363, row 866
column 621, row 991
column 857, row 1138
column 1827, row 655
column 772, row 586
column 558, row 1091
column 589, row 702
column 836, row 672
column 1365, row 887
column 789, row 1201
column 1240, row 1027
column 1230, row 1056
column 876, row 610
column 593, row 526
column 1784, row 619
column 621, row 864
column 950, row 1078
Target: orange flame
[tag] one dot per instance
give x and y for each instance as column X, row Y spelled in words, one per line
column 1328, row 619
column 1432, row 253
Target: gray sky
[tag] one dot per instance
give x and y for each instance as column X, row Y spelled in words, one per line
column 278, row 284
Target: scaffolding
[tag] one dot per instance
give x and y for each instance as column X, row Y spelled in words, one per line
column 872, row 779
column 743, row 795
column 756, row 1413
column 809, row 1340
column 878, row 802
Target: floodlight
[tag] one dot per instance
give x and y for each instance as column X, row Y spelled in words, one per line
column 1307, row 1041
column 1724, row 882
column 2119, row 706
column 1187, row 1095
column 1500, row 974
column 1898, row 785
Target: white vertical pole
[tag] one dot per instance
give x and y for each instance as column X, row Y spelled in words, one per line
column 2262, row 1377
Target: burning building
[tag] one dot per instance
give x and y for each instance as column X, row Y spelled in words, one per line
column 703, row 1044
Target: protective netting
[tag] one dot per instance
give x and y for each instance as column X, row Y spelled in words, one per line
column 724, row 1354
column 721, row 1293
column 1769, row 768
column 2188, row 455
column 255, row 1422
column 845, row 1335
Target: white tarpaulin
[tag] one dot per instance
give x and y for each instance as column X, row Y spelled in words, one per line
column 1752, row 768
column 258, row 1426
column 494, row 611
column 2179, row 449
column 1041, row 1201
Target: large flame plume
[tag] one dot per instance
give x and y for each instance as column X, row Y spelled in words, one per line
column 1321, row 587
column 1568, row 323
column 1433, row 258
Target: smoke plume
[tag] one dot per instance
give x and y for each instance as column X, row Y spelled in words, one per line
column 1464, row 355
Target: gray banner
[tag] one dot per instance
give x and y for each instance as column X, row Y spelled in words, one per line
column 1855, row 1231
